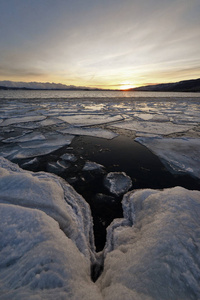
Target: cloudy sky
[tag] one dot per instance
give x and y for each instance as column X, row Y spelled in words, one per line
column 100, row 43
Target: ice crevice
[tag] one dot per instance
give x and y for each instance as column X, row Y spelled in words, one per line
column 47, row 246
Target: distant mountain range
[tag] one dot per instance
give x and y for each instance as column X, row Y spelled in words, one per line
column 181, row 86
column 12, row 85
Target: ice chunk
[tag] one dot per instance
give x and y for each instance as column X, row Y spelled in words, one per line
column 30, row 162
column 57, row 167
column 69, row 157
column 117, row 182
column 53, row 139
column 92, row 119
column 22, row 119
column 153, row 127
column 153, row 253
column 37, row 260
column 96, row 132
column 52, row 195
column 92, row 166
column 178, row 154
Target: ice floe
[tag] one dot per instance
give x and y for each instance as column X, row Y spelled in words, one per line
column 95, row 132
column 22, row 119
column 153, row 253
column 153, row 127
column 178, row 154
column 52, row 142
column 92, row 166
column 117, row 182
column 92, row 119
column 69, row 157
column 26, row 137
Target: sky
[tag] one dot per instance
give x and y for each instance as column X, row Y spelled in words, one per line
column 111, row 44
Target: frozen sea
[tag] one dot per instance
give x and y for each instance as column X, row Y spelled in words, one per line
column 134, row 157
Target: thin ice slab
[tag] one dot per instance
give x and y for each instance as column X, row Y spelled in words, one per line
column 94, row 119
column 153, row 127
column 22, row 119
column 36, row 148
column 95, row 132
column 180, row 155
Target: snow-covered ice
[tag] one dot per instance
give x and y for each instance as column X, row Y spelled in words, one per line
column 51, row 195
column 117, row 182
column 153, row 253
column 178, row 154
column 47, row 244
column 38, row 261
column 96, row 132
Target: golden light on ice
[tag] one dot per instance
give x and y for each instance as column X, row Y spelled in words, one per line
column 126, row 85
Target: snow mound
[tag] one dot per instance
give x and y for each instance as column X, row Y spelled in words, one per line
column 180, row 155
column 117, row 182
column 53, row 196
column 37, row 260
column 153, row 253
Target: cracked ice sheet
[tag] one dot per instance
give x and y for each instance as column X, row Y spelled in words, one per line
column 96, row 132
column 38, row 261
column 22, row 119
column 180, row 155
column 84, row 120
column 52, row 195
column 153, row 127
column 153, row 253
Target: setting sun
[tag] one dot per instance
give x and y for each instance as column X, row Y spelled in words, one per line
column 126, row 85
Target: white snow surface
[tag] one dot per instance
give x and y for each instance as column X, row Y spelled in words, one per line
column 178, row 154
column 38, row 261
column 52, row 195
column 153, row 253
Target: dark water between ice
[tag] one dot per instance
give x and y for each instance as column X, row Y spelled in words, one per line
column 120, row 154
